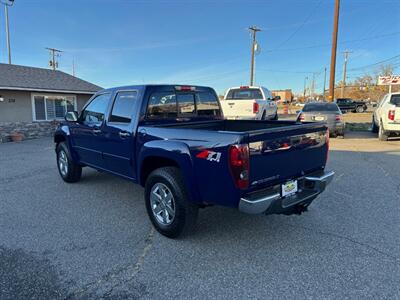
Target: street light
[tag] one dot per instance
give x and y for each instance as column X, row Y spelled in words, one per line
column 7, row 3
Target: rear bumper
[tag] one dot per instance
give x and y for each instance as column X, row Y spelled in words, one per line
column 249, row 117
column 392, row 127
column 270, row 201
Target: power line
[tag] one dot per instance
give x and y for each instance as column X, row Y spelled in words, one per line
column 330, row 44
column 374, row 64
column 300, row 27
column 285, row 71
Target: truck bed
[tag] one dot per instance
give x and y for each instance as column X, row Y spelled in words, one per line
column 237, row 126
column 279, row 151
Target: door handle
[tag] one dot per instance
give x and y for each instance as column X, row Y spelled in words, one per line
column 143, row 132
column 124, row 134
column 96, row 131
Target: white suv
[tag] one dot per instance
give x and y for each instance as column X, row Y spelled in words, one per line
column 386, row 117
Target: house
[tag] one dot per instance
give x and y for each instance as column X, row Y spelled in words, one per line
column 32, row 100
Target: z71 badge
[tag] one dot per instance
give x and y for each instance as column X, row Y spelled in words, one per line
column 209, row 155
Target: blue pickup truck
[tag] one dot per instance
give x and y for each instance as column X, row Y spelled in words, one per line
column 174, row 141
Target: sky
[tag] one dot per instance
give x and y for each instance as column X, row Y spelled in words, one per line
column 203, row 42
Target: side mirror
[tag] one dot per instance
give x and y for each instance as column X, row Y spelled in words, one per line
column 71, row 116
column 297, row 112
column 276, row 98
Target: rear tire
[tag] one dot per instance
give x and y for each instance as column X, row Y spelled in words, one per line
column 167, row 203
column 69, row 170
column 360, row 109
column 383, row 136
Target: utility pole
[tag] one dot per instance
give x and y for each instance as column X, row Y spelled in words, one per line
column 312, row 86
column 54, row 53
column 254, row 31
column 323, row 92
column 346, row 56
column 305, row 87
column 333, row 51
column 6, row 4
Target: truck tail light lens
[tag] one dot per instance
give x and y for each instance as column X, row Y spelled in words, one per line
column 338, row 118
column 244, row 87
column 301, row 117
column 391, row 115
column 239, row 162
column 256, row 108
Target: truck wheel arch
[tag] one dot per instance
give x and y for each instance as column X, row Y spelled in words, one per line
column 151, row 163
column 157, row 154
column 58, row 138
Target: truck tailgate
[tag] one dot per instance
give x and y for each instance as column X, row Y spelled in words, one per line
column 286, row 153
column 237, row 108
column 397, row 114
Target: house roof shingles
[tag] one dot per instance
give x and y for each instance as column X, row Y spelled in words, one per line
column 38, row 79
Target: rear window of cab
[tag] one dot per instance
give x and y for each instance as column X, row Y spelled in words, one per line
column 167, row 105
column 244, row 94
column 395, row 100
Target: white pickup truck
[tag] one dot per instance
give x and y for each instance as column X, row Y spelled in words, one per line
column 249, row 102
column 386, row 117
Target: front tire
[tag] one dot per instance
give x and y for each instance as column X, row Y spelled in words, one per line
column 69, row 170
column 360, row 109
column 167, row 203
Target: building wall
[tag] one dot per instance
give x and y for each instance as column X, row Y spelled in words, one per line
column 284, row 94
column 81, row 101
column 16, row 115
column 16, row 107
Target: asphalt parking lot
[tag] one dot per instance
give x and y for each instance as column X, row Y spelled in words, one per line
column 93, row 239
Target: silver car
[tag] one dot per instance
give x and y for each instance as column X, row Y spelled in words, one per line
column 326, row 112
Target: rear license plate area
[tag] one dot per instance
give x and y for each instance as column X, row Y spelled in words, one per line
column 289, row 188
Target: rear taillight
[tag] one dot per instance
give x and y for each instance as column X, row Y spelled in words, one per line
column 256, row 108
column 240, row 165
column 301, row 117
column 338, row 118
column 391, row 115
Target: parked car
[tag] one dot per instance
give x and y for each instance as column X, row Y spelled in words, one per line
column 249, row 102
column 349, row 105
column 174, row 141
column 326, row 112
column 386, row 117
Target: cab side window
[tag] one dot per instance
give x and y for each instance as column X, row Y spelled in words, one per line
column 123, row 107
column 383, row 101
column 94, row 113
